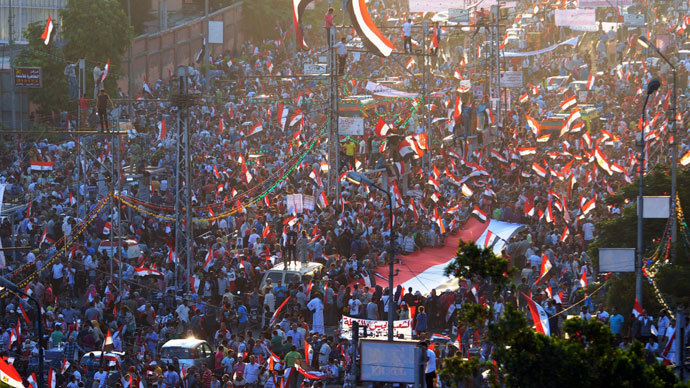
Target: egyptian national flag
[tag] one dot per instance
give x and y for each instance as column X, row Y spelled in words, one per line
column 410, row 64
column 457, row 109
column 277, row 312
column 282, row 115
column 685, row 160
column 541, row 320
column 382, row 128
column 105, row 71
column 146, row 87
column 524, row 98
column 565, row 235
column 47, row 31
column 40, row 165
column 545, row 267
column 106, row 228
column 52, row 378
column 583, row 279
column 298, row 7
column 162, row 130
column 108, row 342
column 533, row 125
column 306, row 351
column 372, row 38
column 296, row 117
column 590, row 81
column 208, row 262
column 637, row 309
column 568, row 103
column 255, row 129
column 477, row 212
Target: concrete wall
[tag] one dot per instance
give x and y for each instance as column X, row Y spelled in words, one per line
column 154, row 54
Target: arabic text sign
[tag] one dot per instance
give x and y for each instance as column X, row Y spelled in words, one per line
column 352, row 126
column 575, row 17
column 376, row 328
column 315, row 68
column 29, row 77
column 388, row 361
column 512, row 79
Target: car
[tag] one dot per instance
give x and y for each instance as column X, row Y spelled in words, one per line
column 294, row 272
column 113, row 359
column 556, row 82
column 576, row 86
column 188, row 351
column 131, row 248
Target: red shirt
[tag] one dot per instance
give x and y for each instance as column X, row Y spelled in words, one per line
column 328, row 20
column 206, row 379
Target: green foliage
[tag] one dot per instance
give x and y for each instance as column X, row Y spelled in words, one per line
column 472, row 261
column 457, row 372
column 587, row 357
column 54, row 93
column 473, row 314
column 261, row 18
column 96, row 31
column 621, row 232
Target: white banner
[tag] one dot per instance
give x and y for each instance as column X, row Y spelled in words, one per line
column 569, row 42
column 604, row 3
column 351, row 126
column 512, row 79
column 376, row 328
column 575, row 17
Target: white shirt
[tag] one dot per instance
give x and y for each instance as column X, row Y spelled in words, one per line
column 57, row 270
column 341, row 48
column 588, row 230
column 354, row 306
column 251, row 372
column 431, row 363
column 407, row 29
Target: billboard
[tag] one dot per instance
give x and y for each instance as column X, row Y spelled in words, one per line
column 28, row 77
column 575, row 17
column 215, row 32
column 616, row 260
column 376, row 328
column 445, row 5
column 390, row 362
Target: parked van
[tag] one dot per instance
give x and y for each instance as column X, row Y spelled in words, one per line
column 131, row 248
column 294, row 272
column 189, row 352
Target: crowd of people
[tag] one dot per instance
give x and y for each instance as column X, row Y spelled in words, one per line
column 252, row 136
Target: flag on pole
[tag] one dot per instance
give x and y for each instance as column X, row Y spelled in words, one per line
column 47, row 31
column 277, row 312
column 583, row 279
column 637, row 309
column 590, row 81
column 105, row 71
column 541, row 320
column 381, row 128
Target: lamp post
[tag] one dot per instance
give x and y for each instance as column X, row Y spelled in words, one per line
column 644, row 42
column 652, row 87
column 14, row 288
column 361, row 179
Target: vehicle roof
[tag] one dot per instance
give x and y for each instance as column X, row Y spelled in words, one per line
column 297, row 267
column 183, row 343
column 97, row 353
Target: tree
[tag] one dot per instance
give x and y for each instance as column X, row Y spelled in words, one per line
column 586, row 356
column 620, row 232
column 261, row 18
column 53, row 96
column 97, row 31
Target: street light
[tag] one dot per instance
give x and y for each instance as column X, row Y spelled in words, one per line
column 361, row 179
column 4, row 283
column 652, row 87
column 644, row 42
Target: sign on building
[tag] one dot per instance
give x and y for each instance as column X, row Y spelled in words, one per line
column 512, row 79
column 351, row 126
column 28, row 77
column 215, row 32
column 575, row 17
column 315, row 68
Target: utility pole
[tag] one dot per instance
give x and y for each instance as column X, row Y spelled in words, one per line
column 10, row 22
column 333, row 142
column 205, row 45
column 497, row 26
column 130, row 65
column 183, row 180
column 425, row 127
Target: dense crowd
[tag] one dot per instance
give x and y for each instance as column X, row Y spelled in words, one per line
column 243, row 144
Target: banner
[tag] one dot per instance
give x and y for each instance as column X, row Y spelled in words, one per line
column 575, row 17
column 569, row 42
column 376, row 328
column 604, row 3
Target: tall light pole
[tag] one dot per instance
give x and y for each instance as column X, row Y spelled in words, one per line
column 4, row 283
column 361, row 179
column 644, row 42
column 652, row 87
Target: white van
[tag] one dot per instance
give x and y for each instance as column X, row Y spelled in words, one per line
column 294, row 272
column 131, row 248
column 188, row 351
